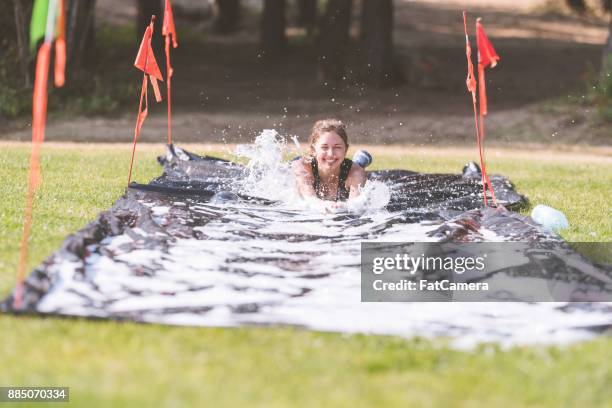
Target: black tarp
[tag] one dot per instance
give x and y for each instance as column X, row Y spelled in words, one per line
column 191, row 248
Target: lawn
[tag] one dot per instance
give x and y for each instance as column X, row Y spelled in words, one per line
column 125, row 364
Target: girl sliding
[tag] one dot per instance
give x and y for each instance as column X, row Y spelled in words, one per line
column 325, row 175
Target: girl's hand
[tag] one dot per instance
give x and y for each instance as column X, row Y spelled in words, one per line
column 333, row 207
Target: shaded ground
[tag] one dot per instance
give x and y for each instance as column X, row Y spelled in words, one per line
column 225, row 91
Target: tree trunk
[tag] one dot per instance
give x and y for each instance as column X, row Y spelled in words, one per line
column 334, row 39
column 21, row 29
column 307, row 14
column 606, row 62
column 80, row 33
column 228, row 14
column 377, row 41
column 273, row 39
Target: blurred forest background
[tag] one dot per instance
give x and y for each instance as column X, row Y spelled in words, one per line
column 393, row 70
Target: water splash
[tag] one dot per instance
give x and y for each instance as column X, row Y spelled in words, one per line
column 269, row 176
column 375, row 195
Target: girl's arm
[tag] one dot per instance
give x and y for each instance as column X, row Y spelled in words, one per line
column 303, row 178
column 355, row 180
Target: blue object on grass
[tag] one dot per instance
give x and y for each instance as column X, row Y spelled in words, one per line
column 549, row 217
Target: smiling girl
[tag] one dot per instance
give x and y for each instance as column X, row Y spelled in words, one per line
column 325, row 174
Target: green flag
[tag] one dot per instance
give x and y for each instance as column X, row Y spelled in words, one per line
column 38, row 24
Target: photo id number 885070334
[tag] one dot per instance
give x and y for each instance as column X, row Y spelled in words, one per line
column 46, row 394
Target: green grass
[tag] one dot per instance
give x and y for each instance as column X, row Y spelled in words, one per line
column 115, row 364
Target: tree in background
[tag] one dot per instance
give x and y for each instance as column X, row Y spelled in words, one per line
column 602, row 93
column 273, row 24
column 307, row 14
column 376, row 42
column 580, row 7
column 228, row 16
column 80, row 33
column 606, row 60
column 16, row 37
column 334, row 40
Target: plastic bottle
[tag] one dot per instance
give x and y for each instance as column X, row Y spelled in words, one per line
column 550, row 218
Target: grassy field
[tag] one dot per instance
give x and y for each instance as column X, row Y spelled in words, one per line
column 122, row 364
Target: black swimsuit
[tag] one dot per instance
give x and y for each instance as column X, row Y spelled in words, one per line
column 342, row 194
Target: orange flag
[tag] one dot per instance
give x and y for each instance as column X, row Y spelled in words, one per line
column 39, row 117
column 39, row 113
column 145, row 61
column 471, row 86
column 486, row 57
column 168, row 30
column 39, row 98
column 168, row 25
column 60, row 47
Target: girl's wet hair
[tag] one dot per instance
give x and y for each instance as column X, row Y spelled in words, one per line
column 327, row 125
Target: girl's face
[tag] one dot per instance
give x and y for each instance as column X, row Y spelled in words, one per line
column 329, row 151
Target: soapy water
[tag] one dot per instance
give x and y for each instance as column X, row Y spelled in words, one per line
column 234, row 262
column 268, row 175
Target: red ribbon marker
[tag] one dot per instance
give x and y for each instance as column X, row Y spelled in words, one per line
column 486, row 57
column 39, row 117
column 169, row 30
column 471, row 86
column 60, row 47
column 145, row 61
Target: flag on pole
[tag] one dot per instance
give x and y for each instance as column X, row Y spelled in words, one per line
column 486, row 57
column 168, row 27
column 145, row 61
column 168, row 30
column 471, row 86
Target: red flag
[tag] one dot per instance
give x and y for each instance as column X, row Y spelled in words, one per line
column 168, row 25
column 486, row 52
column 39, row 114
column 472, row 85
column 39, row 98
column 145, row 61
column 486, row 56
column 39, row 117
